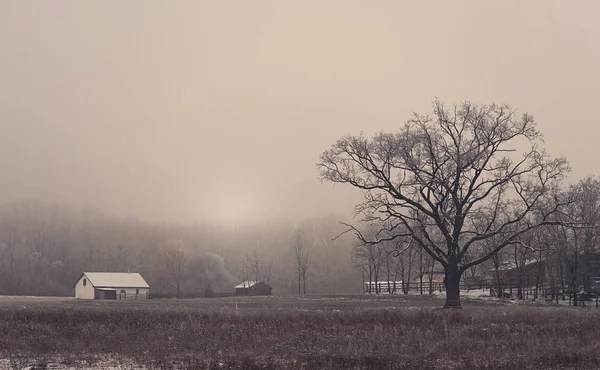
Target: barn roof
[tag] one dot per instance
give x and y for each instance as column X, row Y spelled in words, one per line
column 115, row 279
column 247, row 284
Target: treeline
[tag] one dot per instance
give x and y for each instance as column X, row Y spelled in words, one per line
column 44, row 247
column 560, row 260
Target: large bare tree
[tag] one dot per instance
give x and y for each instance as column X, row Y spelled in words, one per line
column 455, row 176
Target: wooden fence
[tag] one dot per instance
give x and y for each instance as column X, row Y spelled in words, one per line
column 510, row 292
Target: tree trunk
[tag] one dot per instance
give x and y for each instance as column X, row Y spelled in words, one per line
column 304, row 285
column 363, row 281
column 421, row 272
column 388, row 273
column 562, row 282
column 299, row 282
column 396, row 276
column 537, row 279
column 409, row 273
column 452, row 281
column 430, row 276
column 574, row 292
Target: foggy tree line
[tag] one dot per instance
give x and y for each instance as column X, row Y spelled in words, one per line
column 466, row 184
column 466, row 192
column 565, row 257
column 399, row 264
column 557, row 261
column 44, row 247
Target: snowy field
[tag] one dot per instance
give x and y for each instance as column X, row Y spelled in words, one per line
column 345, row 331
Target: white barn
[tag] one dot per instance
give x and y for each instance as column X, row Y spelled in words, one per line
column 111, row 285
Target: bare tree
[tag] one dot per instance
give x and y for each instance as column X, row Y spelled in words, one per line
column 304, row 268
column 361, row 262
column 520, row 259
column 577, row 237
column 498, row 260
column 539, row 257
column 423, row 267
column 255, row 269
column 407, row 261
column 454, row 172
column 174, row 264
column 392, row 265
column 371, row 257
column 587, row 202
column 9, row 241
column 301, row 260
column 297, row 247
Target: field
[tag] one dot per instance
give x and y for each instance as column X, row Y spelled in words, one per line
column 335, row 332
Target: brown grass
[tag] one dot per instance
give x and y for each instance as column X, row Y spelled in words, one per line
column 317, row 336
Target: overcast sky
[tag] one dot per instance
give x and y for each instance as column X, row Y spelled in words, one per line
column 195, row 110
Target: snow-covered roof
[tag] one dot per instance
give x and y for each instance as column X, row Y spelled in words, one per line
column 247, row 284
column 116, row 280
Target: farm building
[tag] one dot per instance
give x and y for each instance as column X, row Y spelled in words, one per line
column 527, row 274
column 111, row 285
column 253, row 288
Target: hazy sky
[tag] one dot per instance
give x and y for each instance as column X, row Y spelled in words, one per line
column 192, row 110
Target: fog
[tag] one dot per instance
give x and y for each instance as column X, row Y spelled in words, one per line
column 218, row 110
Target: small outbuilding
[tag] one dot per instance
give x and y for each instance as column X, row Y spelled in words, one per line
column 111, row 285
column 253, row 288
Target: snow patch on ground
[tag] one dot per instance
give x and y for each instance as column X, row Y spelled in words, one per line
column 33, row 298
column 104, row 363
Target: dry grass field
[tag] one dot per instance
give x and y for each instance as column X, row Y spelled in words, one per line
column 336, row 332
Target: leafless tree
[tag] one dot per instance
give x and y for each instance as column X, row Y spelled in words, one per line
column 372, row 256
column 454, row 172
column 304, row 268
column 406, row 259
column 9, row 242
column 521, row 258
column 254, row 268
column 363, row 257
column 174, row 262
column 587, row 205
column 392, row 265
column 541, row 257
column 425, row 270
column 301, row 260
column 297, row 249
column 577, row 237
column 498, row 261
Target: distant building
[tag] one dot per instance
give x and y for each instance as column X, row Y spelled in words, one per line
column 527, row 274
column 111, row 285
column 253, row 288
